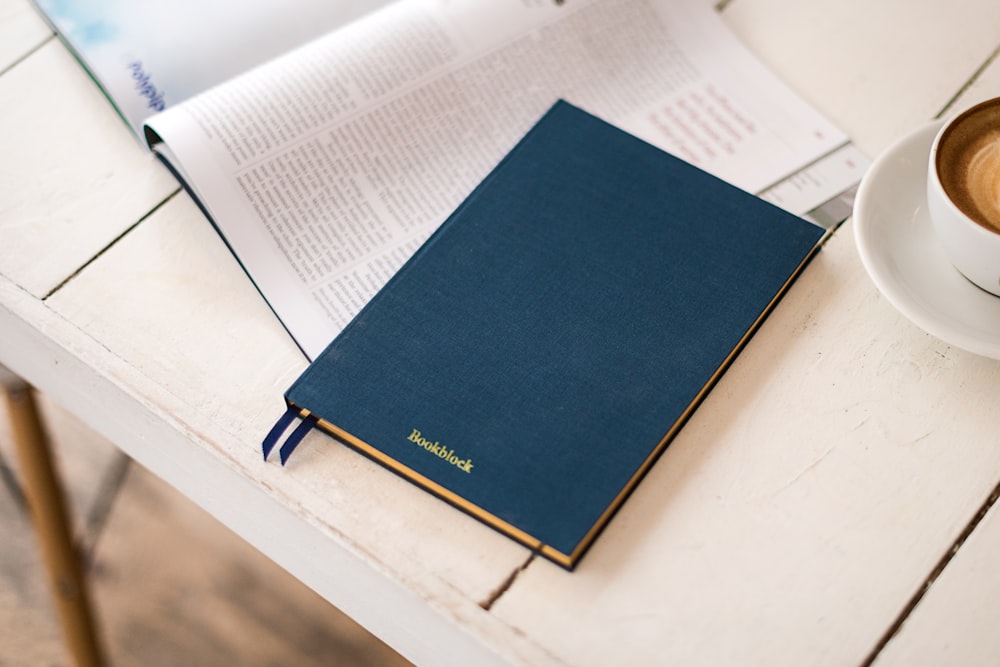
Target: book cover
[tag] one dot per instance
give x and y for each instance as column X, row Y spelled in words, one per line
column 537, row 354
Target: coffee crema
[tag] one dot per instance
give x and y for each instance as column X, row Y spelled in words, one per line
column 968, row 163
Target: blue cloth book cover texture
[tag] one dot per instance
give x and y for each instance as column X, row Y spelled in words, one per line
column 535, row 356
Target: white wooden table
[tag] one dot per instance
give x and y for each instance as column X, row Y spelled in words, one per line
column 802, row 517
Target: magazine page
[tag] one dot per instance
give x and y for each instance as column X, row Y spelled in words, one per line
column 327, row 168
column 149, row 55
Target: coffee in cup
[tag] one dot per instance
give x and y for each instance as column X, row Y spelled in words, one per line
column 963, row 192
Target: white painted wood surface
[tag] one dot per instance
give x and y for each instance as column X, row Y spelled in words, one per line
column 72, row 181
column 791, row 521
column 954, row 622
column 21, row 31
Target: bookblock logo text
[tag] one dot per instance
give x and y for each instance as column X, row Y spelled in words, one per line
column 442, row 452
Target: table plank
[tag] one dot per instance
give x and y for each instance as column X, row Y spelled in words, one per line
column 954, row 622
column 72, row 178
column 21, row 31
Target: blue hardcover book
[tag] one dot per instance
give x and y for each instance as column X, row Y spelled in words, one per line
column 532, row 360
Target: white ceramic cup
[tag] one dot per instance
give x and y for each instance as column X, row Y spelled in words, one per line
column 963, row 192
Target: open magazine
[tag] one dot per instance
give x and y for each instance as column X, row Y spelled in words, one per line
column 327, row 166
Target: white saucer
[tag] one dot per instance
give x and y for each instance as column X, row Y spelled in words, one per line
column 902, row 256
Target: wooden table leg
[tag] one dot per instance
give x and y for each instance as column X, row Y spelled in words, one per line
column 48, row 509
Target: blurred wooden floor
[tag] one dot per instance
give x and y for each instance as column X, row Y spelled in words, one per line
column 171, row 585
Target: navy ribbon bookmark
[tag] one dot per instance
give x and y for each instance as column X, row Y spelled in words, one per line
column 293, row 440
column 296, row 437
